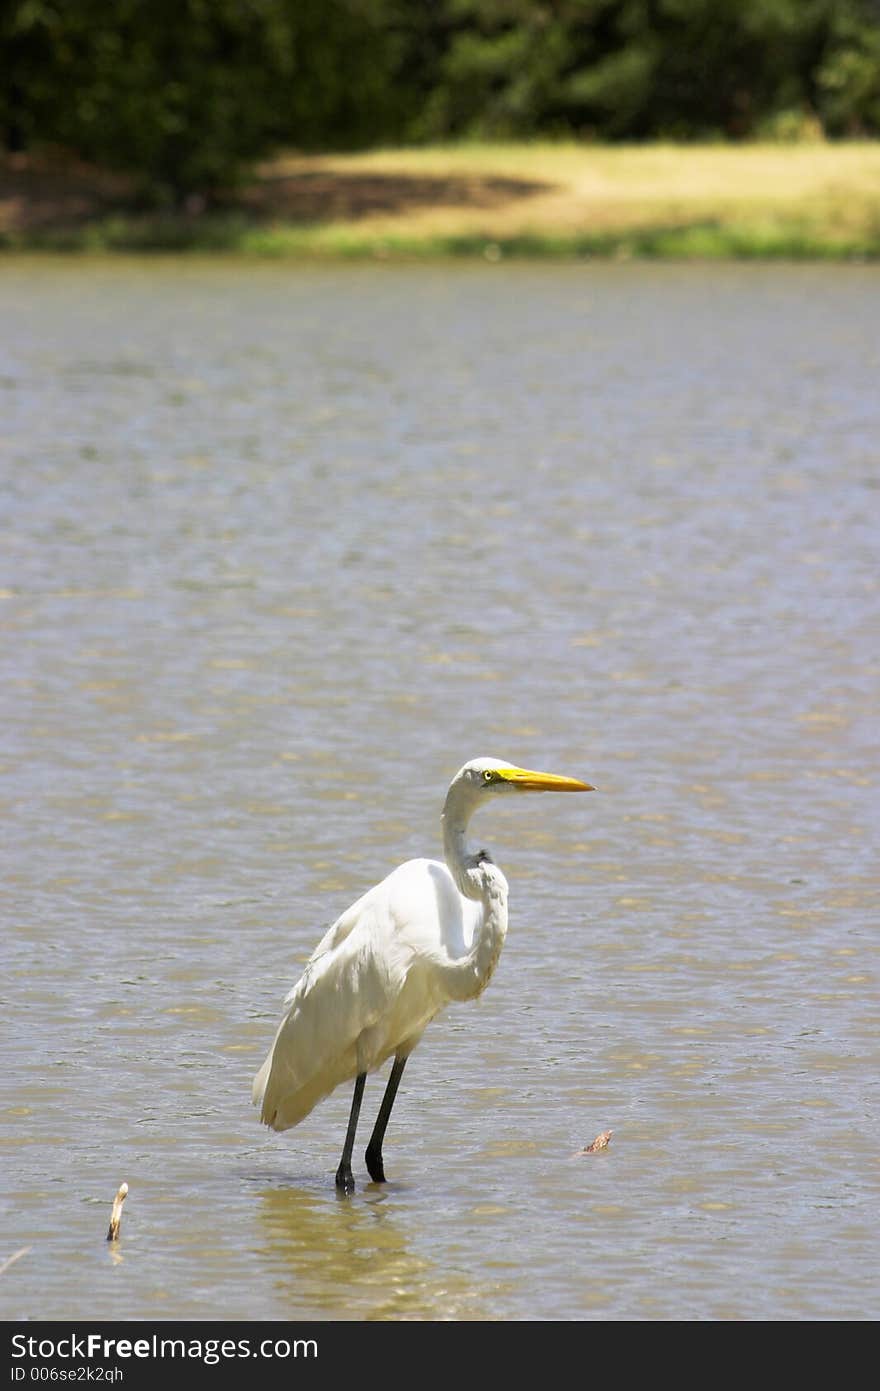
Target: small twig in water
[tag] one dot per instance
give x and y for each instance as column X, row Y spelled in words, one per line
column 16, row 1255
column 116, row 1214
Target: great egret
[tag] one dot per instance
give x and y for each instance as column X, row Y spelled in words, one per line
column 428, row 934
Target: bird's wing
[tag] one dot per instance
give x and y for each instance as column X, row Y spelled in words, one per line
column 339, row 930
column 337, row 1019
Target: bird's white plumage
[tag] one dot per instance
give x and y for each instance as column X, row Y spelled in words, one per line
column 429, row 933
column 370, row 988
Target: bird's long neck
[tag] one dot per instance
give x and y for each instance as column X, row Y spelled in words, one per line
column 479, row 879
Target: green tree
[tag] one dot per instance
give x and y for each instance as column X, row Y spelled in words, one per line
column 847, row 79
column 639, row 69
column 185, row 94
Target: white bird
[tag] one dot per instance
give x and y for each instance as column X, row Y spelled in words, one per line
column 429, row 933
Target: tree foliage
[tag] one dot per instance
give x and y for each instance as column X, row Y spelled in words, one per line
column 185, row 94
column 642, row 69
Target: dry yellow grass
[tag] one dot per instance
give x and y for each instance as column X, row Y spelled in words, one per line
column 832, row 191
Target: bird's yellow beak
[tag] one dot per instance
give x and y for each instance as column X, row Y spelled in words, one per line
column 526, row 781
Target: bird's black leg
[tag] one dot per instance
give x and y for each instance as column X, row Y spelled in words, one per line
column 373, row 1156
column 344, row 1176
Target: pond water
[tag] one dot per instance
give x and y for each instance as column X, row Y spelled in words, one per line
column 282, row 547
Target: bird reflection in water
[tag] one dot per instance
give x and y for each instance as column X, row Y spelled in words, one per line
column 315, row 1248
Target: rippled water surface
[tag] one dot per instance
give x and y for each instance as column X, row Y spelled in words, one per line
column 281, row 548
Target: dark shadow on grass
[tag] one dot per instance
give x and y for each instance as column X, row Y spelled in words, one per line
column 323, row 195
column 40, row 197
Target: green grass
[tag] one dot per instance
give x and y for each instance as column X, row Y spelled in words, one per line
column 212, row 236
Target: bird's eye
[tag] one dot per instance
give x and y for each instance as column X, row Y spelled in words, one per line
column 488, row 775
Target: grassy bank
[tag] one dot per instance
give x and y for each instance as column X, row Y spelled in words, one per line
column 804, row 201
